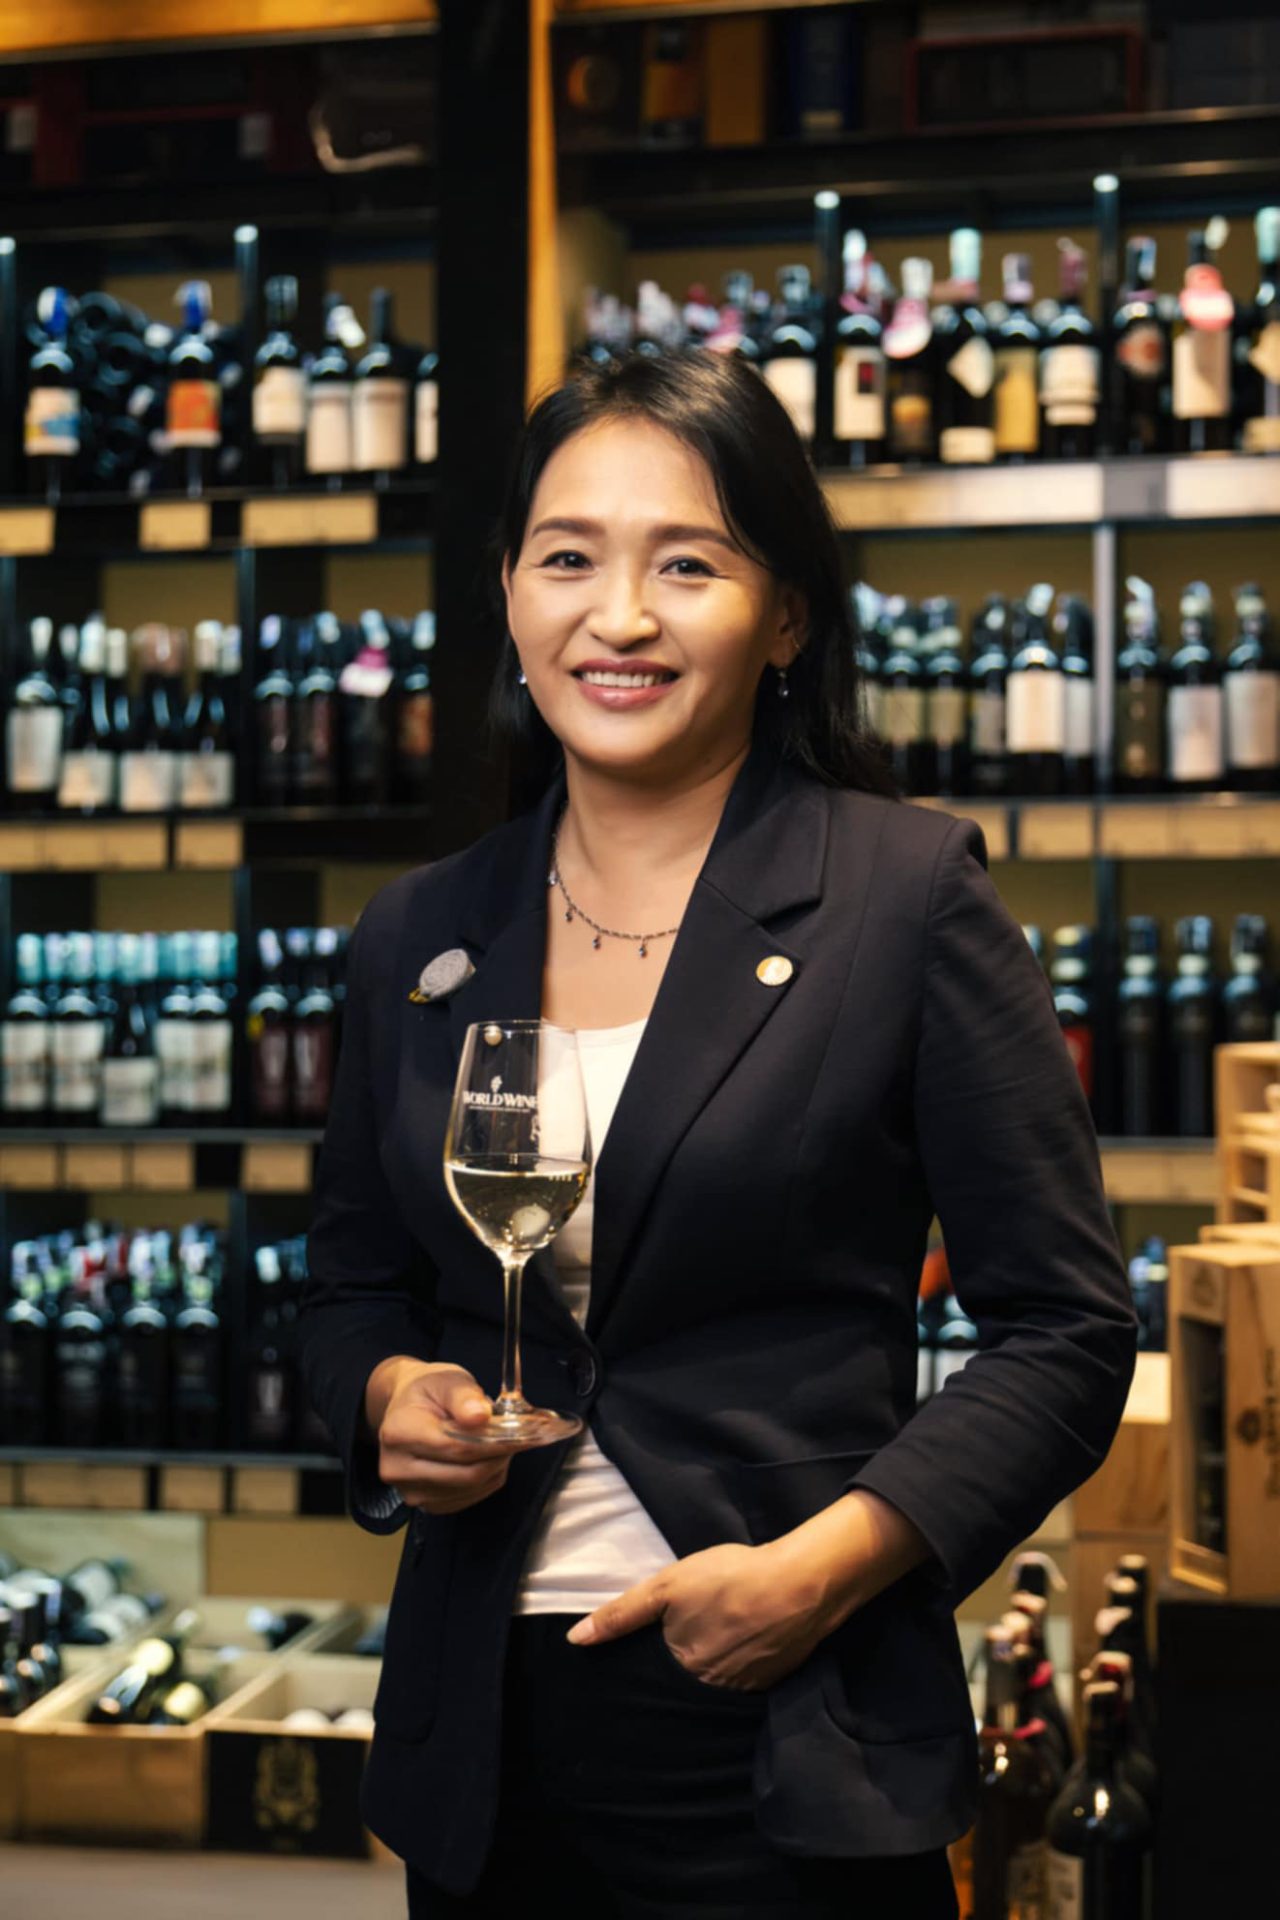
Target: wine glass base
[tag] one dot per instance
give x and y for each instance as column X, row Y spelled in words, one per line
column 535, row 1427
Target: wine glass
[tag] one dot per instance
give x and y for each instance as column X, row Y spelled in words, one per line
column 517, row 1154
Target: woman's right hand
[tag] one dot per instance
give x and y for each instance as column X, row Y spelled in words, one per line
column 407, row 1403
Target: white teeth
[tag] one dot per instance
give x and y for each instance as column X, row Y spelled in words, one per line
column 599, row 679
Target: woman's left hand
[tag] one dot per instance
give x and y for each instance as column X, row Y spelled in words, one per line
column 734, row 1616
column 746, row 1617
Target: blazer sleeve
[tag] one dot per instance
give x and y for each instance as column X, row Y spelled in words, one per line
column 370, row 1285
column 1011, row 1160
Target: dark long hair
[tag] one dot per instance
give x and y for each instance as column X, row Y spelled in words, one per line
column 718, row 406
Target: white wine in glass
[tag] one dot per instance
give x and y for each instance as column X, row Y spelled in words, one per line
column 517, row 1155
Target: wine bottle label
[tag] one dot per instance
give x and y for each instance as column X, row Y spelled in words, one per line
column 986, row 723
column 859, row 398
column 312, row 1070
column 1017, row 414
column 205, row 780
column 52, row 425
column 367, row 677
column 1204, row 302
column 24, row 1057
column 379, row 424
column 1080, row 1046
column 269, row 1067
column 911, row 420
column 280, row 404
column 130, row 1092
column 329, row 428
column 1262, row 434
column 1264, row 354
column 1142, row 350
column 1195, row 733
column 415, row 727
column 973, row 367
column 1139, row 731
column 947, row 715
column 1069, row 386
column 967, row 446
column 210, row 1063
column 426, row 422
column 1024, row 1881
column 1064, row 1886
column 147, row 781
column 88, row 780
column 796, row 384
column 1201, row 375
column 1078, row 727
column 173, row 1051
column 910, row 330
column 1253, row 719
column 903, row 715
column 77, row 1065
column 34, row 738
column 1035, row 712
column 193, row 413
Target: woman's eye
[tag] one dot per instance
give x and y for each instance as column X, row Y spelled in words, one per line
column 686, row 561
column 552, row 558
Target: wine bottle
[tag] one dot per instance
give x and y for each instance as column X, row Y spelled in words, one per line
column 141, row 1397
column 1014, row 1795
column 80, row 1356
column 206, row 764
column 173, row 1030
column 52, row 428
column 368, row 717
column 1251, row 698
column 1069, row 367
column 1073, row 624
column 130, row 1069
column 33, row 731
column 415, row 715
column 329, row 450
column 954, row 1343
column 198, row 1390
column 966, row 365
column 26, row 1356
column 25, row 1040
column 1149, row 1289
column 269, row 1019
column 1098, row 1830
column 1193, row 1028
column 426, row 410
column 87, row 781
column 380, row 397
column 1195, row 710
column 988, row 677
column 148, row 764
column 1202, row 356
column 1140, row 1035
column 858, row 428
column 193, row 404
column 77, row 1039
column 1016, row 342
column 1036, row 700
column 280, row 385
column 312, row 1025
column 909, row 363
column 1260, row 373
column 209, row 1031
column 270, row 1385
column 903, row 709
column 946, row 769
column 313, row 727
column 273, row 710
column 1249, row 1005
column 1140, row 357
column 790, row 356
column 1073, row 1001
column 1140, row 697
column 126, row 1700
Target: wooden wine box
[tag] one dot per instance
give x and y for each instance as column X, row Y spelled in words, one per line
column 1224, row 1330
column 124, row 1785
column 1247, row 1098
column 78, row 1663
column 271, row 1790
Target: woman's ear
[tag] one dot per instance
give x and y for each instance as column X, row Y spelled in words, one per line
column 506, row 584
column 792, row 628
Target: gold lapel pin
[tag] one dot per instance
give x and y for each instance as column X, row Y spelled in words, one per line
column 775, row 971
column 442, row 976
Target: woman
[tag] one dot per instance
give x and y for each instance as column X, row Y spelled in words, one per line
column 703, row 1658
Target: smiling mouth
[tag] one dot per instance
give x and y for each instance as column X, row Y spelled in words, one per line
column 596, row 678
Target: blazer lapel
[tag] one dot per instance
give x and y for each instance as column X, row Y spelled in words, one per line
column 766, row 859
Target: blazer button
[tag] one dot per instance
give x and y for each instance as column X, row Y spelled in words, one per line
column 583, row 1373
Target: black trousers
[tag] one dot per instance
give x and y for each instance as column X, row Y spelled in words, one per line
column 626, row 1795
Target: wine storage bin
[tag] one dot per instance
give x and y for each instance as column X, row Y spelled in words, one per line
column 1247, row 1096
column 271, row 1790
column 1224, row 1335
column 77, row 1662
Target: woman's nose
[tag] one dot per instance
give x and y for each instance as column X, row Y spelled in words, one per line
column 619, row 613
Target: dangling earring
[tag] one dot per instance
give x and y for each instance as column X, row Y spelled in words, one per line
column 520, row 678
column 783, row 689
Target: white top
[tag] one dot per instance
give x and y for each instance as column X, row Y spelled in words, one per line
column 594, row 1539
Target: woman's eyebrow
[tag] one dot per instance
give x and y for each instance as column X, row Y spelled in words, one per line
column 658, row 535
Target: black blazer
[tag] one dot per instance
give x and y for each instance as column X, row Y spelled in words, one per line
column 763, row 1200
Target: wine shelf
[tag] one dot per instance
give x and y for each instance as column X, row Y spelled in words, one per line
column 1160, row 1172
column 1216, row 826
column 1057, row 493
column 221, row 842
column 102, row 1160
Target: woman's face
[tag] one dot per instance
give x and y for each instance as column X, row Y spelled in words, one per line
column 628, row 569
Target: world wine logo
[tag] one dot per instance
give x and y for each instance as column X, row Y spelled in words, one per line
column 495, row 1098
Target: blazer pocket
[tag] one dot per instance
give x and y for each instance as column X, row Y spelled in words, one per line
column 409, row 1684
column 894, row 1670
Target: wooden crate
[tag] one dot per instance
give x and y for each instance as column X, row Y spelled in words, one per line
column 1224, row 1324
column 271, row 1790
column 78, row 1662
column 124, row 1785
column 224, row 1622
column 1247, row 1090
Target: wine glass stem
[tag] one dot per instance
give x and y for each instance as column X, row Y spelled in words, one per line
column 511, row 1394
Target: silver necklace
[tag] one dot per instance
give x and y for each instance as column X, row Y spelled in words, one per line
column 572, row 910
